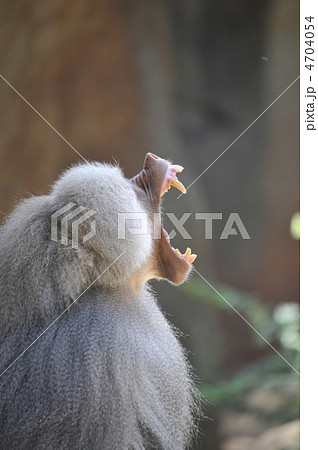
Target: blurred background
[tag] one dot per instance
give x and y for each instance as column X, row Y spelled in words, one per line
column 182, row 80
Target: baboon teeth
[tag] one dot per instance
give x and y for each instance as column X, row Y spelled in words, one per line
column 172, row 180
column 177, row 184
column 187, row 256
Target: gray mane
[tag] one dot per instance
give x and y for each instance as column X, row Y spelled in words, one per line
column 110, row 372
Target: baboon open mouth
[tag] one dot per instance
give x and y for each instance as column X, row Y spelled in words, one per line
column 156, row 178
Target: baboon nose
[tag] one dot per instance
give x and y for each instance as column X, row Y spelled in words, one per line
column 150, row 160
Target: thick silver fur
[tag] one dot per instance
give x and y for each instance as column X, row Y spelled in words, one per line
column 110, row 372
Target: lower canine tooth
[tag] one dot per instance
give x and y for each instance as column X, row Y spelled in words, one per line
column 193, row 257
column 190, row 258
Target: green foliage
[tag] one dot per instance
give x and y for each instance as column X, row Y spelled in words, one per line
column 286, row 316
column 295, row 226
column 269, row 374
column 282, row 323
column 279, row 326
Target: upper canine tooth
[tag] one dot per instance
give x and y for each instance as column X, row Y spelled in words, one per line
column 177, row 184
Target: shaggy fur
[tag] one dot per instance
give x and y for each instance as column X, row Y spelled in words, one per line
column 109, row 373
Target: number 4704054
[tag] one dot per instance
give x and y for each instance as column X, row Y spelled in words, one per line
column 309, row 36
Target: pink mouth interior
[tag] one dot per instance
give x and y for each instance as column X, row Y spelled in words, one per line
column 171, row 175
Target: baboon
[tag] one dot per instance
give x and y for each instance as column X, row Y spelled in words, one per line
column 87, row 359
